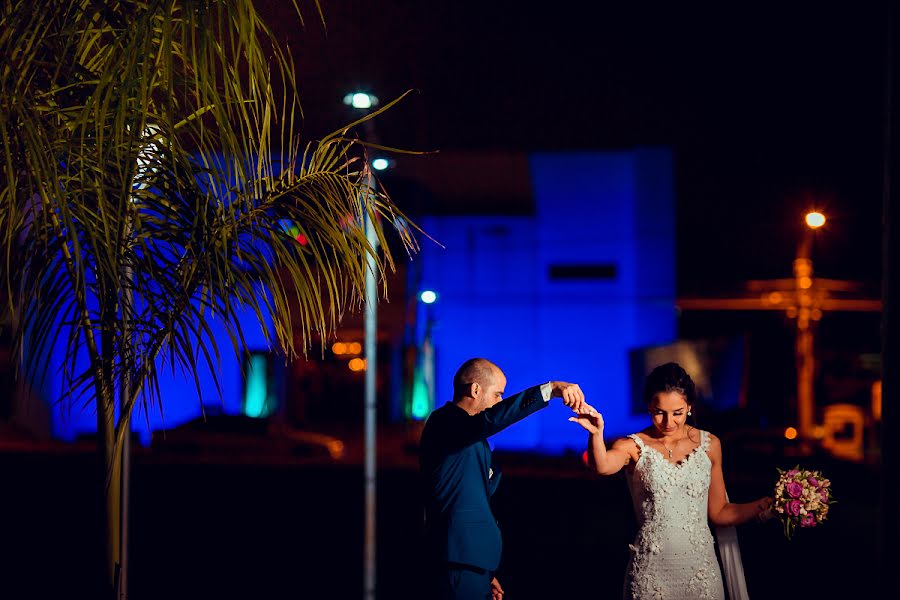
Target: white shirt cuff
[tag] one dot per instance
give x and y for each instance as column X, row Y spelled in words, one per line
column 546, row 390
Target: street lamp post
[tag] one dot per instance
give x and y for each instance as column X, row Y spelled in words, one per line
column 363, row 101
column 807, row 313
column 371, row 354
column 804, row 299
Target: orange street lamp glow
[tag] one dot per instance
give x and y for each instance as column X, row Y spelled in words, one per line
column 790, row 433
column 815, row 219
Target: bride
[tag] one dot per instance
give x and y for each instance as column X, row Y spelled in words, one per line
column 674, row 474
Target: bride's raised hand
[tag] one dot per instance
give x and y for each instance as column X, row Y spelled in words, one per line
column 589, row 418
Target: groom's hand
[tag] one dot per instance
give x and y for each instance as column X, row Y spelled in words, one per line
column 496, row 590
column 571, row 394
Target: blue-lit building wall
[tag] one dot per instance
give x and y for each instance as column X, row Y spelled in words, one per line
column 602, row 210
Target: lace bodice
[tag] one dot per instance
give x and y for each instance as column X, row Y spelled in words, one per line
column 673, row 554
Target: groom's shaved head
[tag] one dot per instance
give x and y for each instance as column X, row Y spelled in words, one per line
column 474, row 370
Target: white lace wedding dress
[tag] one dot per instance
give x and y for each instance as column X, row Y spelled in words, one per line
column 673, row 554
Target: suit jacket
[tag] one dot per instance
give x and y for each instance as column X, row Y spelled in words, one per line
column 455, row 462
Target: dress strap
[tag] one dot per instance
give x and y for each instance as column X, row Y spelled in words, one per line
column 704, row 440
column 637, row 440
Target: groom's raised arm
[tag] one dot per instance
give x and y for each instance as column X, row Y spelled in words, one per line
column 457, row 429
column 473, row 428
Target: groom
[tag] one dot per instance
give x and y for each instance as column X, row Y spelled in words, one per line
column 462, row 537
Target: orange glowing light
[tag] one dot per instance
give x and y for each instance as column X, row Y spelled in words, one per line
column 354, row 348
column 815, row 219
column 339, row 348
column 876, row 400
column 805, row 283
column 357, row 364
column 790, row 433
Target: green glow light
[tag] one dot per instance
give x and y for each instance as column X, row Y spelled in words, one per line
column 419, row 398
column 256, row 387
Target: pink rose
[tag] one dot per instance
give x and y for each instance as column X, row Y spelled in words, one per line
column 793, row 507
column 823, row 495
column 794, row 489
column 812, row 481
column 792, row 472
column 808, row 520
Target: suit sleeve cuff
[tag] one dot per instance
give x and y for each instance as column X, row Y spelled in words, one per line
column 546, row 390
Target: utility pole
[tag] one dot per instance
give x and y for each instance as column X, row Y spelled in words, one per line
column 805, row 299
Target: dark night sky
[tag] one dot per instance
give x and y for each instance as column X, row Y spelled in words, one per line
column 769, row 107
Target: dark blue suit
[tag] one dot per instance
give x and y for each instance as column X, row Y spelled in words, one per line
column 455, row 462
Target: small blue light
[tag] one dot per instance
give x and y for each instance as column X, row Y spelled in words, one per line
column 380, row 164
column 428, row 297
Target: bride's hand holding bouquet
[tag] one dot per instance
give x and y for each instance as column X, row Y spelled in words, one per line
column 802, row 498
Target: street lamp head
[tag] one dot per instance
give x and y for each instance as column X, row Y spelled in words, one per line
column 428, row 297
column 814, row 219
column 380, row 164
column 360, row 100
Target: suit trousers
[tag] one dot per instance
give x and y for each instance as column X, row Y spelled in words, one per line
column 462, row 582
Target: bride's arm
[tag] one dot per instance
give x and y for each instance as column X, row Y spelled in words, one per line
column 721, row 512
column 604, row 462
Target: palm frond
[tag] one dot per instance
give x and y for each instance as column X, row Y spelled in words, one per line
column 151, row 172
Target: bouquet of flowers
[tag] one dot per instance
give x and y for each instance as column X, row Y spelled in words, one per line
column 802, row 498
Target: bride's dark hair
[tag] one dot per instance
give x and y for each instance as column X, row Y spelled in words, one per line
column 669, row 377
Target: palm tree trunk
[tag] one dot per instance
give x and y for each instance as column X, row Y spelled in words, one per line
column 110, row 463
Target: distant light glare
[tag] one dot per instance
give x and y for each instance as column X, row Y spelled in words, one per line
column 380, row 164
column 428, row 297
column 815, row 219
column 360, row 100
column 790, row 433
column 342, row 348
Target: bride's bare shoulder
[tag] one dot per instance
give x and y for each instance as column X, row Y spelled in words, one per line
column 644, row 434
column 628, row 445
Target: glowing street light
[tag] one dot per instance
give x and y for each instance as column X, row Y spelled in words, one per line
column 428, row 297
column 380, row 164
column 815, row 219
column 360, row 100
